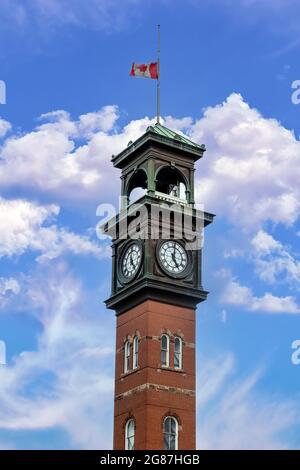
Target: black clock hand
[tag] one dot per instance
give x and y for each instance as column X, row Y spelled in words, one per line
column 174, row 259
column 131, row 260
column 173, row 256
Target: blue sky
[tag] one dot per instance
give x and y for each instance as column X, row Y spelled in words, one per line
column 226, row 73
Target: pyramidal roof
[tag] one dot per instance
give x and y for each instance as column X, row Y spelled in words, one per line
column 165, row 132
column 162, row 136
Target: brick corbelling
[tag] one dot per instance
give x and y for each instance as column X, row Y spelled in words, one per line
column 154, row 308
column 156, row 387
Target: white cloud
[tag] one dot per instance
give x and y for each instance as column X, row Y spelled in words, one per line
column 265, row 243
column 103, row 120
column 25, row 225
column 236, row 294
column 273, row 304
column 53, row 159
column 233, row 415
column 273, row 261
column 251, row 170
column 71, row 159
column 243, row 147
column 69, row 374
column 223, row 316
column 87, row 124
column 178, row 125
column 249, row 177
column 5, row 126
column 8, row 287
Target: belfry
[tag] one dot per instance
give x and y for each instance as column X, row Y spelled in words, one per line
column 156, row 286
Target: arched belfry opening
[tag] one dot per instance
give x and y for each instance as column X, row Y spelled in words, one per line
column 170, row 181
column 137, row 186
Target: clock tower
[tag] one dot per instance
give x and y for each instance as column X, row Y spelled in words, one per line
column 156, row 286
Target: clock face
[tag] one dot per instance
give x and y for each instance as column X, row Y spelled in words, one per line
column 131, row 261
column 173, row 257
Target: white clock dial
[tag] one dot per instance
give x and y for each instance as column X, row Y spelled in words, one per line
column 173, row 257
column 131, row 260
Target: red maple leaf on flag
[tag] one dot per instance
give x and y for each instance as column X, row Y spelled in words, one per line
column 144, row 70
column 142, row 67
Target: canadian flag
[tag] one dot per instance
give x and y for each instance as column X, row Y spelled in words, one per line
column 144, row 70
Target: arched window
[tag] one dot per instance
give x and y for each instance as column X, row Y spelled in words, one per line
column 129, row 435
column 127, row 357
column 177, row 353
column 135, row 352
column 170, row 433
column 165, row 350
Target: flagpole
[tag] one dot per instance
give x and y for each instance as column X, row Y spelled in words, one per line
column 158, row 76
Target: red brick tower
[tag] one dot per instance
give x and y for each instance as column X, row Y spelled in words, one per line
column 156, row 285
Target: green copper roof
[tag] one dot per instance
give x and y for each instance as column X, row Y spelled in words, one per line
column 160, row 135
column 165, row 132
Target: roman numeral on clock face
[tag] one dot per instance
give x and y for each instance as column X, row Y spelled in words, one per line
column 131, row 260
column 173, row 257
